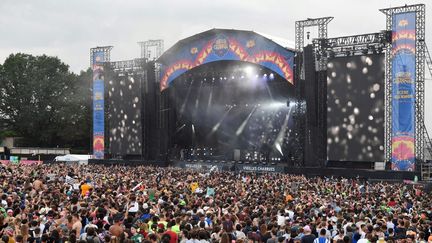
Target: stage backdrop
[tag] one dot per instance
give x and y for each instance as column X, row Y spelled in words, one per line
column 403, row 91
column 98, row 106
column 219, row 45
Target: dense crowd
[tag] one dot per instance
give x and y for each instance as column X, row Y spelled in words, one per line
column 96, row 203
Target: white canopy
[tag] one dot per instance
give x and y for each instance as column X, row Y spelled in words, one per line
column 73, row 158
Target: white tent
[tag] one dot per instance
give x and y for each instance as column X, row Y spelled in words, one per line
column 80, row 158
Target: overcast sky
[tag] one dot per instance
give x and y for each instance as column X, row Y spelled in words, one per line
column 68, row 29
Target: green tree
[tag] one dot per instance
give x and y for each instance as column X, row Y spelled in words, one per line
column 76, row 131
column 38, row 99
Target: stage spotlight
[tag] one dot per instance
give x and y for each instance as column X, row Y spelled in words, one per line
column 249, row 70
column 291, row 103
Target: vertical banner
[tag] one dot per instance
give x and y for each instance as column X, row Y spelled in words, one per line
column 98, row 106
column 403, row 91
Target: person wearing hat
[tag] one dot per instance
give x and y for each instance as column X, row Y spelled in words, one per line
column 308, row 237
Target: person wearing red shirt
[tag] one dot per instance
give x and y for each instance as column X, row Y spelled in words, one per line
column 172, row 234
column 392, row 202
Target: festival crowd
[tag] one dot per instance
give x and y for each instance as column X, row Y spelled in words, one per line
column 96, row 203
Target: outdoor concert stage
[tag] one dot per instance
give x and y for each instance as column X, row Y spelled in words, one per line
column 236, row 100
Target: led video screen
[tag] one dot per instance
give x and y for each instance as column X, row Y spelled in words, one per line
column 124, row 116
column 355, row 108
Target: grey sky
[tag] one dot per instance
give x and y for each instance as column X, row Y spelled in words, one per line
column 68, row 29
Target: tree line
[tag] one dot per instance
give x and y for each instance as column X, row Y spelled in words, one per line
column 45, row 104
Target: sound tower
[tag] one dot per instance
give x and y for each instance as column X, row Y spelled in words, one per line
column 150, row 113
column 311, row 143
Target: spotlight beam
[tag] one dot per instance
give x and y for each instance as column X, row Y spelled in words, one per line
column 269, row 92
column 210, row 99
column 197, row 100
column 180, row 128
column 217, row 125
column 183, row 107
column 243, row 125
column 279, row 139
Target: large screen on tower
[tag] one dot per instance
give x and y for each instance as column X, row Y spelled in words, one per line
column 355, row 108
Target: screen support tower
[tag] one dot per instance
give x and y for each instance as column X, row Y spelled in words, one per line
column 419, row 9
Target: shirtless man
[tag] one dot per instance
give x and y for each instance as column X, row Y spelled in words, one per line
column 77, row 225
column 116, row 229
column 38, row 184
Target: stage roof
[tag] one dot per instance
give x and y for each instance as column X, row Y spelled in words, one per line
column 222, row 45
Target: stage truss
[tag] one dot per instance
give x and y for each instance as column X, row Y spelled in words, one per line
column 299, row 113
column 105, row 49
column 322, row 24
column 419, row 9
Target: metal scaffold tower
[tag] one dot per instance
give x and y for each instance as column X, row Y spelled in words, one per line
column 419, row 10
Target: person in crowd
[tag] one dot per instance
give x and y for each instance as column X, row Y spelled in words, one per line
column 98, row 203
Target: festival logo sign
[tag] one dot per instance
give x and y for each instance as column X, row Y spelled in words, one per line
column 220, row 46
column 403, row 91
column 194, row 50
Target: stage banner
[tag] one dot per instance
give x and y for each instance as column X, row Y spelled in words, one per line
column 403, row 91
column 22, row 162
column 30, row 162
column 260, row 168
column 98, row 106
column 222, row 45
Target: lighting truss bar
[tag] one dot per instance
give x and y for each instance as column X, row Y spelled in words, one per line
column 381, row 37
column 134, row 64
column 403, row 9
column 349, row 45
